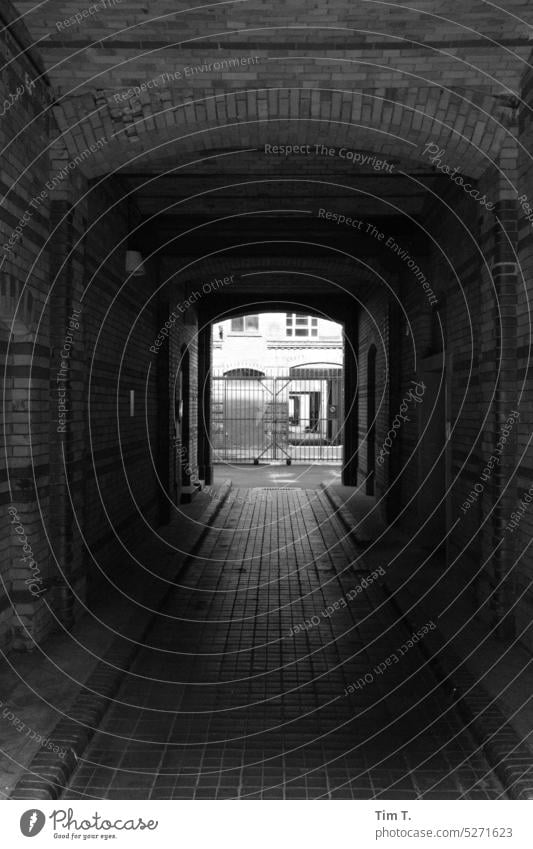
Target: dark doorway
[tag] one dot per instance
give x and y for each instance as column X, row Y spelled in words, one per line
column 182, row 469
column 370, row 421
column 433, row 456
column 185, row 388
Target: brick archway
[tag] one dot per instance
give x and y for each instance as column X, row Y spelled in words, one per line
column 395, row 123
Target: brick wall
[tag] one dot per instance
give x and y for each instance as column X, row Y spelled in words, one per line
column 182, row 352
column 456, row 274
column 70, row 255
column 485, row 318
column 374, row 330
column 524, row 370
column 24, row 342
column 120, row 321
column 66, row 263
column 341, row 31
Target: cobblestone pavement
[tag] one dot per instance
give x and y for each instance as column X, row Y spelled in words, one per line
column 259, row 682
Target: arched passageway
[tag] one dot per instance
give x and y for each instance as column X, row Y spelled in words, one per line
column 367, row 165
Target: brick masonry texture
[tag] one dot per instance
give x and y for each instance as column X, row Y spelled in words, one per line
column 389, row 120
column 249, row 705
column 25, row 352
column 120, row 317
column 426, row 42
column 356, row 86
column 50, row 272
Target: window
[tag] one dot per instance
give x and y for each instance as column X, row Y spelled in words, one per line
column 297, row 324
column 236, row 373
column 294, row 410
column 245, row 324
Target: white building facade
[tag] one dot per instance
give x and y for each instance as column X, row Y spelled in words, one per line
column 277, row 389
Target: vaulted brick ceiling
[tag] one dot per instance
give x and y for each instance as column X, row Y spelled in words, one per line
column 380, row 77
column 439, row 57
column 475, row 44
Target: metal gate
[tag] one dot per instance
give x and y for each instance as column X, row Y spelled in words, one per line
column 267, row 418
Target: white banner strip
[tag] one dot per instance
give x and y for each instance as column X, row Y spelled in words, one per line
column 263, row 825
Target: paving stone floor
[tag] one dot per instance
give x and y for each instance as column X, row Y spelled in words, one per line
column 230, row 699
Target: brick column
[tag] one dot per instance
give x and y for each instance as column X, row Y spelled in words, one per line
column 394, row 466
column 24, row 343
column 165, row 428
column 505, row 283
column 25, row 428
column 351, row 399
column 68, row 403
column 205, row 466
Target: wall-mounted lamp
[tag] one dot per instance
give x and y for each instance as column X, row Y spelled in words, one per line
column 134, row 263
